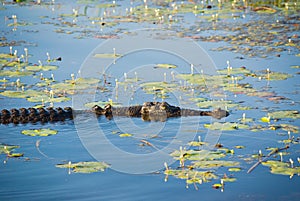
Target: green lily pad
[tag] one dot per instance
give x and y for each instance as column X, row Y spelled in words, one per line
column 69, row 86
column 215, row 104
column 215, row 164
column 197, row 155
column 85, row 167
column 283, row 168
column 22, row 94
column 7, row 56
column 226, row 126
column 15, row 155
column 47, row 99
column 8, row 150
column 8, row 73
column 197, row 143
column 234, row 71
column 41, row 68
column 293, row 114
column 39, row 132
column 204, row 176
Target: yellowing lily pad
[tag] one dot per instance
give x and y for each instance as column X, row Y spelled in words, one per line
column 41, row 68
column 85, row 167
column 165, row 66
column 8, row 73
column 125, row 135
column 107, row 56
column 7, row 149
column 7, row 56
column 293, row 114
column 234, row 169
column 39, row 132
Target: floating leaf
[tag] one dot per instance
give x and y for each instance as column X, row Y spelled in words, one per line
column 197, row 143
column 7, row 149
column 39, row 132
column 107, row 56
column 7, row 56
column 15, row 155
column 234, row 169
column 293, row 114
column 214, row 163
column 8, row 73
column 215, row 104
column 229, row 179
column 239, row 147
column 85, row 167
column 125, row 135
column 165, row 66
column 230, row 71
column 217, row 186
column 37, row 68
column 288, row 127
column 226, row 126
column 22, row 94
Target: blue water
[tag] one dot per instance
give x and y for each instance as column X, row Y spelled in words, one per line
column 35, row 177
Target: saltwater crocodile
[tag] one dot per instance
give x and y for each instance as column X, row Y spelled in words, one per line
column 155, row 111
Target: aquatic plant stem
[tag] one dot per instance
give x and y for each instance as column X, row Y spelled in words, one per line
column 266, row 157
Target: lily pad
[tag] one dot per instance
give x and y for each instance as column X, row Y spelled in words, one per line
column 234, row 169
column 8, row 150
column 230, row 71
column 226, row 126
column 125, row 135
column 283, row 168
column 165, row 66
column 293, row 114
column 107, row 56
column 41, row 68
column 39, row 132
column 22, row 94
column 216, row 104
column 8, row 73
column 7, row 56
column 85, row 167
column 215, row 164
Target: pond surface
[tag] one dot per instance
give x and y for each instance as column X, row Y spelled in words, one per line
column 266, row 43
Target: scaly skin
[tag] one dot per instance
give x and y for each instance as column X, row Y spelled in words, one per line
column 149, row 111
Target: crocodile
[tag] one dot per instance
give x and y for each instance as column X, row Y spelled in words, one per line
column 149, row 111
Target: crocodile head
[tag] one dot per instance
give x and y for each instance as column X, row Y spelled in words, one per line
column 154, row 110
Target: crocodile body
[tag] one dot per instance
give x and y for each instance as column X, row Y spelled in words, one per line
column 149, row 111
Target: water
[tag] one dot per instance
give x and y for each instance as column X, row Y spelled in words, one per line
column 35, row 177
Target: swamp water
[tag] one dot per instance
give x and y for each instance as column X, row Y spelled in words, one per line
column 261, row 77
